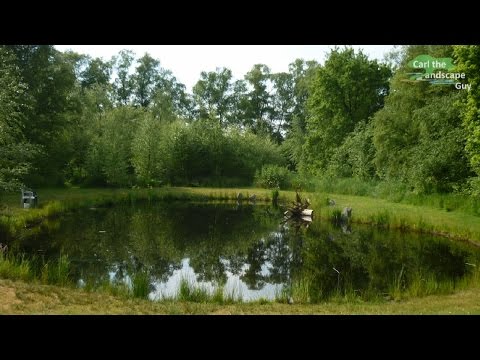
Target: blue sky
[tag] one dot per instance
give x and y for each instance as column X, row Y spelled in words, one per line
column 187, row 61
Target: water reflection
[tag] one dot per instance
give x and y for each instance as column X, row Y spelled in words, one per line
column 234, row 286
column 248, row 250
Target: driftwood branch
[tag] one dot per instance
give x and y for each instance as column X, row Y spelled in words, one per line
column 299, row 208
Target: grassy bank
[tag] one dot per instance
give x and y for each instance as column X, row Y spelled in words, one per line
column 406, row 217
column 397, row 193
column 17, row 297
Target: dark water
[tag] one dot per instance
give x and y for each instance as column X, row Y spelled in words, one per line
column 245, row 248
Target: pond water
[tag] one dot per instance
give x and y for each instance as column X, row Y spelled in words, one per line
column 246, row 249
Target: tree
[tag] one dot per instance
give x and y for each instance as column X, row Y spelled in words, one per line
column 468, row 58
column 15, row 152
column 124, row 82
column 50, row 79
column 418, row 136
column 258, row 115
column 145, row 80
column 302, row 73
column 92, row 104
column 97, row 72
column 173, row 92
column 438, row 161
column 147, row 151
column 214, row 94
column 109, row 157
column 348, row 89
column 283, row 103
column 394, row 129
column 240, row 104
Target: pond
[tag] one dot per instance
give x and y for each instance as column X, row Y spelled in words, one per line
column 246, row 250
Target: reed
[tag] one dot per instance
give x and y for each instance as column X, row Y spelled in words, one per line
column 20, row 267
column 141, row 285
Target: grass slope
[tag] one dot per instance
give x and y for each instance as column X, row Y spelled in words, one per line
column 17, row 297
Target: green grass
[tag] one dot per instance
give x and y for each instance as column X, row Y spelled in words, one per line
column 382, row 219
column 188, row 291
column 336, row 216
column 397, row 193
column 18, row 297
column 191, row 292
column 301, row 291
column 141, row 285
column 15, row 267
column 118, row 289
column 20, row 267
column 397, row 287
column 422, row 286
column 417, row 218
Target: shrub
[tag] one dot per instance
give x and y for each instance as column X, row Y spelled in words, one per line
column 272, row 177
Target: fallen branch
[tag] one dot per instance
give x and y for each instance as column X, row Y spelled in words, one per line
column 299, row 208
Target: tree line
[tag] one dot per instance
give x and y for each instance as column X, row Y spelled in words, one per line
column 68, row 118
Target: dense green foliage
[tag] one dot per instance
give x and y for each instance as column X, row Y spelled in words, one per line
column 199, row 153
column 272, row 177
column 418, row 135
column 67, row 118
column 469, row 61
column 15, row 150
column 348, row 89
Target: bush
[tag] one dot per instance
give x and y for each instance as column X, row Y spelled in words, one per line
column 272, row 177
column 199, row 154
column 473, row 187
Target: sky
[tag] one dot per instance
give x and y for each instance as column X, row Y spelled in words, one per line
column 188, row 61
